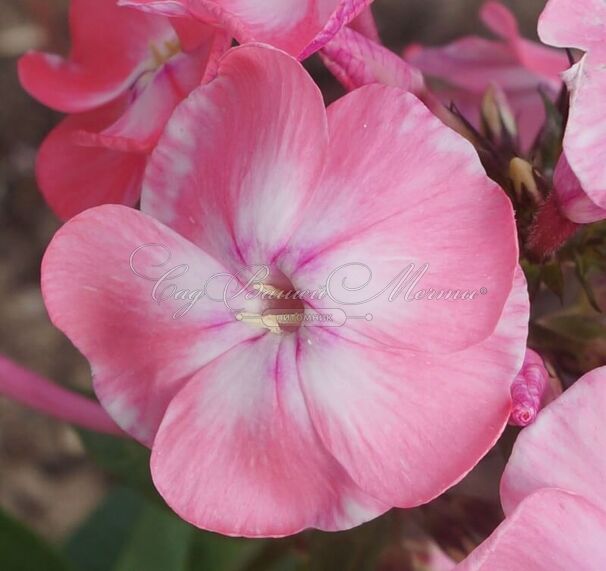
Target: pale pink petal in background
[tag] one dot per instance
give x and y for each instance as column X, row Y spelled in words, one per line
column 574, row 24
column 552, row 530
column 564, row 448
column 585, row 137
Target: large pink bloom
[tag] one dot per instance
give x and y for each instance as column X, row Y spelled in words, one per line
column 123, row 78
column 300, row 27
column 581, row 24
column 266, row 433
column 553, row 489
column 467, row 67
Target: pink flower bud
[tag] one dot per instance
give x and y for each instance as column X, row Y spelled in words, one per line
column 529, row 390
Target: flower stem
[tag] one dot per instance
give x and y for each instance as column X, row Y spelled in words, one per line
column 42, row 395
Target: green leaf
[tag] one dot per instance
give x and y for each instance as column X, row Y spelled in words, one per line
column 22, row 550
column 576, row 328
column 533, row 277
column 130, row 533
column 123, row 458
column 212, row 551
column 99, row 541
column 288, row 563
column 554, row 279
column 215, row 552
column 550, row 138
column 275, row 555
column 582, row 269
column 160, row 542
column 354, row 550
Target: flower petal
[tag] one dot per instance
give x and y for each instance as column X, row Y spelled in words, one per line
column 400, row 188
column 299, row 27
column 467, row 68
column 564, row 448
column 571, row 197
column 142, row 124
column 500, row 21
column 140, row 352
column 110, row 49
column 578, row 24
column 366, row 25
column 356, row 61
column 241, row 157
column 237, row 454
column 552, row 530
column 544, row 61
column 73, row 177
column 586, row 129
column 193, row 34
column 345, row 11
column 472, row 64
column 406, row 426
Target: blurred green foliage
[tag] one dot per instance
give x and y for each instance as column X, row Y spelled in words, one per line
column 133, row 530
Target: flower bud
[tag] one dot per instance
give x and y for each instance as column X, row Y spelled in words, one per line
column 497, row 116
column 529, row 390
column 522, row 176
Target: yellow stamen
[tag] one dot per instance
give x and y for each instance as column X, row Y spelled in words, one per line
column 163, row 53
column 268, row 321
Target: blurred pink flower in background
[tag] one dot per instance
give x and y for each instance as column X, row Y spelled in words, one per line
column 580, row 181
column 463, row 71
column 553, row 490
column 357, row 58
column 124, row 76
column 262, row 434
column 299, row 27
